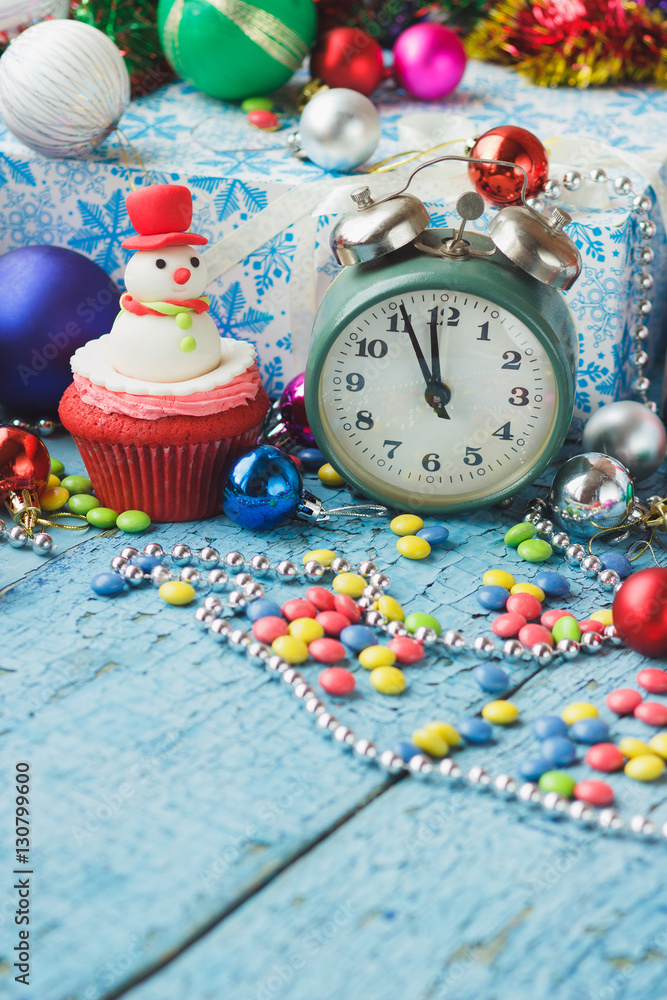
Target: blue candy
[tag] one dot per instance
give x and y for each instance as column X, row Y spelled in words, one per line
column 532, row 768
column 589, row 731
column 358, row 637
column 492, row 598
column 618, row 562
column 107, row 584
column 475, row 730
column 491, row 678
column 311, row 458
column 405, row 750
column 558, row 751
column 146, row 563
column 263, row 608
column 549, row 725
column 553, row 584
column 435, row 534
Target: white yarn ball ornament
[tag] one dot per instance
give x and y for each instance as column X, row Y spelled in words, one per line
column 63, row 87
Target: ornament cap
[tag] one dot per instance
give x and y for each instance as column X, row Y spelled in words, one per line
column 375, row 229
column 537, row 244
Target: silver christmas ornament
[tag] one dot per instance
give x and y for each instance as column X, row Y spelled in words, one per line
column 629, row 432
column 591, row 492
column 339, row 129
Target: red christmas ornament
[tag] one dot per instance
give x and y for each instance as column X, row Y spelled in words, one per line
column 348, row 57
column 502, row 185
column 640, row 612
column 24, row 462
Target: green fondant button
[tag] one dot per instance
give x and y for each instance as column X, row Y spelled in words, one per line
column 188, row 344
column 184, row 321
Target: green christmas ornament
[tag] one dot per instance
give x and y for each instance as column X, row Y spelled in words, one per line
column 233, row 49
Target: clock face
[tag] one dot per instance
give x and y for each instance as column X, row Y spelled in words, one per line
column 436, row 398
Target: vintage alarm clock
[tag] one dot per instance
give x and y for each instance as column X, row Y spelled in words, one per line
column 442, row 363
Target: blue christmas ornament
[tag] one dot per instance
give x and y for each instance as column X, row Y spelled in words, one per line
column 53, row 301
column 262, row 489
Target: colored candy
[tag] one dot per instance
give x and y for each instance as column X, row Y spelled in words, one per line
column 578, row 710
column 653, row 713
column 658, row 744
column 257, row 104
column 558, row 751
column 498, row 578
column 605, row 757
column 344, row 605
column 653, row 679
column 133, row 521
column 263, row 608
column 435, row 534
column 329, row 477
column 550, row 617
column 475, row 730
column 430, row 742
column 623, row 701
column 175, row 592
column 528, row 588
column 388, row 680
column 76, row 484
column 107, row 584
column 530, row 635
column 268, row 629
column 508, row 625
column 405, row 750
column 57, row 467
column 406, row 650
column 350, row 584
column 265, row 121
column 377, row 656
column 553, row 584
column 52, row 481
column 591, row 626
column 524, row 604
column 291, row 649
column 53, row 498
column 604, row 616
column 413, row 547
column 448, row 732
column 557, row 781
column 419, row 619
column 321, row 598
column 327, row 650
column 310, row 458
column 645, row 767
column 618, row 562
column 390, row 608
column 519, row 533
column 337, row 681
column 549, row 725
column 595, row 793
column 298, row 608
column 82, row 503
column 102, row 517
column 332, row 622
column 501, row 713
column 306, row 629
column 492, row 598
column 566, row 628
column 589, row 731
column 357, row 637
column 406, row 524
column 324, row 556
column 145, row 563
column 534, row 550
column 532, row 768
column 632, row 747
column 491, row 678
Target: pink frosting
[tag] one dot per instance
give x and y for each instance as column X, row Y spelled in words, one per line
column 199, row 404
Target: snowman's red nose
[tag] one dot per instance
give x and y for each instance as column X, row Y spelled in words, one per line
column 181, row 275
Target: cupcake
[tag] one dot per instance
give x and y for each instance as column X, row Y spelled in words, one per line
column 159, row 403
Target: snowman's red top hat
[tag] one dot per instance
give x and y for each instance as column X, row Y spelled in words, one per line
column 161, row 213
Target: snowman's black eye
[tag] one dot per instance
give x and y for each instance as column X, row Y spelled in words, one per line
column 194, row 261
column 160, row 263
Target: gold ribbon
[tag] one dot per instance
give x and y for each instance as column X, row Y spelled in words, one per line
column 655, row 519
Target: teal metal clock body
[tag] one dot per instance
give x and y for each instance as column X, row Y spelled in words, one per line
column 439, row 384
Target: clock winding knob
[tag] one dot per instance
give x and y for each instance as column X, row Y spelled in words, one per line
column 362, row 197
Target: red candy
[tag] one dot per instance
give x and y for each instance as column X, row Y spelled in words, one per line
column 524, row 604
column 263, row 119
column 653, row 679
column 298, row 608
column 407, row 650
column 269, row 628
column 346, row 606
column 323, row 599
column 336, row 680
column 332, row 622
column 604, row 757
column 623, row 701
column 590, row 625
column 595, row 793
column 653, row 713
column 327, row 650
column 297, row 461
column 530, row 635
column 550, row 617
column 508, row 625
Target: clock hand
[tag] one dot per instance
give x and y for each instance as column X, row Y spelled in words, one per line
column 435, row 347
column 415, row 345
column 437, row 394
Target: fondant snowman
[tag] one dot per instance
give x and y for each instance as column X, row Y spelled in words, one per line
column 164, row 332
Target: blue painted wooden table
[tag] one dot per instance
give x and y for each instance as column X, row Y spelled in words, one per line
column 194, row 837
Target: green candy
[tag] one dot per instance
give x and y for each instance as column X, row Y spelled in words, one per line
column 559, row 782
column 102, row 517
column 566, row 628
column 534, row 550
column 57, row 468
column 82, row 503
column 257, row 104
column 77, row 484
column 133, row 521
column 519, row 533
column 419, row 618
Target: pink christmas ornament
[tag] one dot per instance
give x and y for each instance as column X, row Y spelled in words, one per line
column 429, row 60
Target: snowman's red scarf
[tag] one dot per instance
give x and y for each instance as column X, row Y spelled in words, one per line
column 130, row 304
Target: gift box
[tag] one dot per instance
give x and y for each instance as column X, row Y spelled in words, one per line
column 268, row 215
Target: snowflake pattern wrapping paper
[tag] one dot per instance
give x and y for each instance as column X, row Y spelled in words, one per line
column 236, row 173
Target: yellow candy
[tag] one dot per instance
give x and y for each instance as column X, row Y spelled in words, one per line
column 498, row 578
column 328, row 475
column 659, row 744
column 604, row 615
column 448, row 733
column 305, row 629
column 645, row 767
column 376, row 656
column 430, row 742
column 52, row 481
column 390, row 608
column 388, row 680
column 54, row 498
column 176, row 592
column 578, row 710
column 501, row 713
column 528, row 588
column 291, row 649
column 349, row 583
column 413, row 547
column 324, row 556
column 406, row 524
column 631, row 747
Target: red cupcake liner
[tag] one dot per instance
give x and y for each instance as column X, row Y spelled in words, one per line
column 168, row 482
